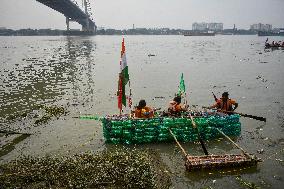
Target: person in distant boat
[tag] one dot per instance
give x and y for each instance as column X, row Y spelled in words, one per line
column 143, row 111
column 175, row 107
column 266, row 42
column 282, row 44
column 225, row 103
column 272, row 44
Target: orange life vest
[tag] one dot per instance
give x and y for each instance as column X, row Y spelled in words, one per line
column 226, row 106
column 145, row 112
column 174, row 107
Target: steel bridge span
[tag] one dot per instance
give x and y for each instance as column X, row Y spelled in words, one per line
column 72, row 12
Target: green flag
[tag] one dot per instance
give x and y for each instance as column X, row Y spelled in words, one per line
column 181, row 89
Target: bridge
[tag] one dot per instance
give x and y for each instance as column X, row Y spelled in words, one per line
column 72, row 12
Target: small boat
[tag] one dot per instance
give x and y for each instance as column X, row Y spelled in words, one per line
column 270, row 46
column 197, row 33
column 126, row 130
column 265, row 33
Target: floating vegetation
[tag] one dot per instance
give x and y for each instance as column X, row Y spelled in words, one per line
column 54, row 110
column 16, row 115
column 50, row 111
column 119, row 168
column 247, row 184
column 47, row 111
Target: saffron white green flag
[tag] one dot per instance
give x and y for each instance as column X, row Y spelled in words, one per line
column 123, row 78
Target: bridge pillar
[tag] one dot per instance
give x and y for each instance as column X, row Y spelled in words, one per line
column 67, row 23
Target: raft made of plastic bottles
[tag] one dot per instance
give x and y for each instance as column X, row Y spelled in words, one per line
column 126, row 130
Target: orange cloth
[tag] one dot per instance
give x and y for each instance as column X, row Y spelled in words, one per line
column 226, row 106
column 145, row 112
column 174, row 107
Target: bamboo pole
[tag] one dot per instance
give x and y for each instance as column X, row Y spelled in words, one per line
column 199, row 137
column 244, row 152
column 183, row 151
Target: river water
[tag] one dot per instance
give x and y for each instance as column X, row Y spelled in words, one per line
column 80, row 74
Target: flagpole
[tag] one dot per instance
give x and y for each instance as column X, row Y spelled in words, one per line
column 123, row 79
column 182, row 91
column 119, row 98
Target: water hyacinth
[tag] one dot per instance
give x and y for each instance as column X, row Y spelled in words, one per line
column 50, row 111
column 119, row 168
column 247, row 184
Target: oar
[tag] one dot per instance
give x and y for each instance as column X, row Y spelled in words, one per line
column 241, row 114
column 194, row 126
column 247, row 115
column 215, row 98
column 199, row 137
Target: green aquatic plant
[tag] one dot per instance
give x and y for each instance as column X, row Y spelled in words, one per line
column 119, row 168
column 50, row 111
column 246, row 184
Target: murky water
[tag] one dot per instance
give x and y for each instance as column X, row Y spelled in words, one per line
column 80, row 74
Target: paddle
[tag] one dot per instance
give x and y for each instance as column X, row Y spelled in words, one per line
column 248, row 115
column 215, row 98
column 199, row 137
column 241, row 114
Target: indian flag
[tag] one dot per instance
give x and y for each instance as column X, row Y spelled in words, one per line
column 123, row 77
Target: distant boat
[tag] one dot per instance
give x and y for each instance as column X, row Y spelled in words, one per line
column 270, row 46
column 263, row 33
column 198, row 33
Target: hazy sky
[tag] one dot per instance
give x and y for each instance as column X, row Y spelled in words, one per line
column 121, row 14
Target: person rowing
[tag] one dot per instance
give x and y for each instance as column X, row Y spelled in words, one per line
column 266, row 43
column 143, row 111
column 225, row 104
column 176, row 108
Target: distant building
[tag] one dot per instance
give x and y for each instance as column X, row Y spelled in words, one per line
column 199, row 26
column 207, row 26
column 2, row 28
column 215, row 26
column 261, row 27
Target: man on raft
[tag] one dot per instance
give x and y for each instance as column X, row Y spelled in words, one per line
column 143, row 111
column 225, row 104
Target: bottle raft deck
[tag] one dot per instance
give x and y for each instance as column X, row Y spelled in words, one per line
column 125, row 130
